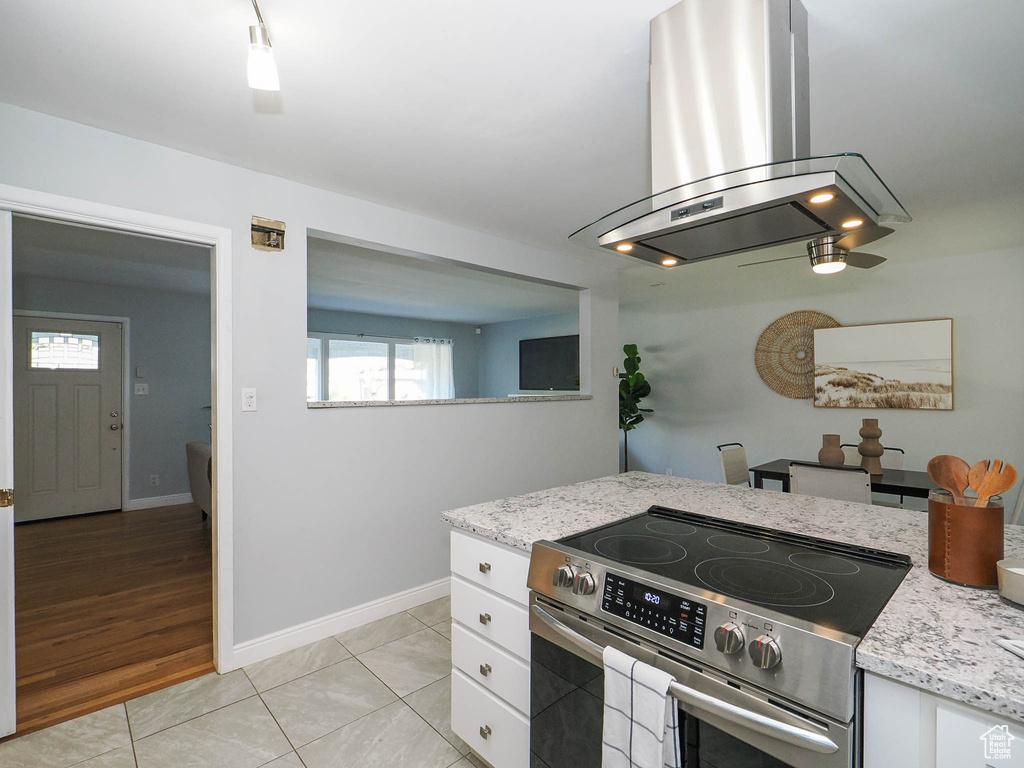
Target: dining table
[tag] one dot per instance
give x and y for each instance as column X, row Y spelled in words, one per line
column 899, row 482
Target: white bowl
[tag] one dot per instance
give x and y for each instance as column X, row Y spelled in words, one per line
column 1011, row 580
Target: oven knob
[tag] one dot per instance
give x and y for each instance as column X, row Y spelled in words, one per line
column 565, row 575
column 584, row 584
column 765, row 652
column 729, row 638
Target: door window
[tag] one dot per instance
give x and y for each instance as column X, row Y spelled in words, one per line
column 59, row 351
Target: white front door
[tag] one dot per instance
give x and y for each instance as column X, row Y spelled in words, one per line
column 8, row 674
column 67, row 417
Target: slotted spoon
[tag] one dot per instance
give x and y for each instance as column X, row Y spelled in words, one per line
column 990, row 478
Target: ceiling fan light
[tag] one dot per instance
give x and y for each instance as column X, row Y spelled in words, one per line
column 669, row 262
column 852, row 223
column 822, row 197
column 262, row 68
column 828, row 267
column 624, row 247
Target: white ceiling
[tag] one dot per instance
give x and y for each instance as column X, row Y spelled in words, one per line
column 57, row 251
column 528, row 119
column 348, row 277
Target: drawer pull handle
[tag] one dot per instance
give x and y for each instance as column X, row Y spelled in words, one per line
column 485, row 731
column 485, row 567
column 485, row 618
column 485, row 669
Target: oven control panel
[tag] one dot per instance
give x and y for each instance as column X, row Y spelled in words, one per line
column 665, row 613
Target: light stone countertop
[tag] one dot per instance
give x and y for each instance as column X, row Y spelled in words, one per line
column 933, row 635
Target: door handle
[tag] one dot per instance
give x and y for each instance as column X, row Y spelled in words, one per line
column 485, row 669
column 485, row 731
column 7, row 497
column 114, row 427
column 485, row 618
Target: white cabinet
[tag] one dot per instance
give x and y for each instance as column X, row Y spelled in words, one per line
column 912, row 728
column 491, row 650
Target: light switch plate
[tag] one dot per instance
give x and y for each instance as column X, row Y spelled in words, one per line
column 248, row 398
column 141, row 389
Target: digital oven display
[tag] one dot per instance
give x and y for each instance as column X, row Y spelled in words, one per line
column 667, row 614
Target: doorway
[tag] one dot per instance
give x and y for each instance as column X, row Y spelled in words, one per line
column 68, row 416
column 218, row 415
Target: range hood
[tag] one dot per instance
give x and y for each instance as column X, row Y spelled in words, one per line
column 730, row 144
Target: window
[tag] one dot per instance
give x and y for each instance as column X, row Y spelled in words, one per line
column 64, row 351
column 378, row 368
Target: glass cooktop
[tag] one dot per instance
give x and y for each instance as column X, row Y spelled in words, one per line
column 840, row 586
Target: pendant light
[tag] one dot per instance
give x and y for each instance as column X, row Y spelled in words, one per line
column 262, row 68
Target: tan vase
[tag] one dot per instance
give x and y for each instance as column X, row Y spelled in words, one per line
column 831, row 454
column 870, row 449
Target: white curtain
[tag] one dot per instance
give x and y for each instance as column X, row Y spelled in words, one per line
column 434, row 357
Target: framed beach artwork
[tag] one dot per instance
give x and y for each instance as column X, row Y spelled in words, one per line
column 892, row 365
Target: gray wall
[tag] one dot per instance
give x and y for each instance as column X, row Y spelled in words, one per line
column 465, row 350
column 321, row 495
column 706, row 391
column 170, row 338
column 499, row 355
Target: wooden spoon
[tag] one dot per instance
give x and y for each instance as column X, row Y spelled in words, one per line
column 951, row 473
column 990, row 481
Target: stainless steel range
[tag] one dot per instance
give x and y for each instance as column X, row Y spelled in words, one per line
column 758, row 626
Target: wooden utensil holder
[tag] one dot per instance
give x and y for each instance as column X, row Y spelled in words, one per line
column 964, row 542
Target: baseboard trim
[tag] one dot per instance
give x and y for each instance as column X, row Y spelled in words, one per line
column 157, row 501
column 299, row 635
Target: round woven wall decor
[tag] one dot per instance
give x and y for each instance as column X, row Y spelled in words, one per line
column 784, row 355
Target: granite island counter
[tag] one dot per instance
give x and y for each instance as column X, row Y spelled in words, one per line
column 932, row 635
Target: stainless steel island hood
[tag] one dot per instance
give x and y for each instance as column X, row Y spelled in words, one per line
column 730, row 139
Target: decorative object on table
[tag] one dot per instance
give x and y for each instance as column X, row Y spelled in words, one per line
column 964, row 542
column 870, row 449
column 784, row 355
column 831, row 453
column 990, row 478
column 892, row 365
column 1010, row 574
column 633, row 388
column 950, row 472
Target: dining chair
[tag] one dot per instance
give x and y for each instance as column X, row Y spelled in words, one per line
column 893, row 458
column 851, row 456
column 842, row 483
column 735, row 470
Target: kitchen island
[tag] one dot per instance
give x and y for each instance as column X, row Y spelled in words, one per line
column 937, row 637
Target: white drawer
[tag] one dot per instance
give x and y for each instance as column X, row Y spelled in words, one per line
column 490, row 565
column 508, row 739
column 502, row 622
column 491, row 667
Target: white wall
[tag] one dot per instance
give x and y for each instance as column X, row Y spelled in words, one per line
column 698, row 352
column 170, row 338
column 340, row 506
column 499, row 353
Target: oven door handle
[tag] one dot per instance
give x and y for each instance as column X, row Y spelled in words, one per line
column 762, row 724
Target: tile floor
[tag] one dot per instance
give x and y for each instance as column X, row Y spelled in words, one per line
column 375, row 696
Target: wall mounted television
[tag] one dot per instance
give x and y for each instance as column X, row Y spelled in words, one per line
column 551, row 363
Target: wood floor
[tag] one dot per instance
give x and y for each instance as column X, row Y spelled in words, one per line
column 109, row 607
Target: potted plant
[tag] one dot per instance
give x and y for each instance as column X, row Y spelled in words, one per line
column 633, row 388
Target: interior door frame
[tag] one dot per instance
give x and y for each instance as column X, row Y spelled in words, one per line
column 29, row 202
column 126, row 382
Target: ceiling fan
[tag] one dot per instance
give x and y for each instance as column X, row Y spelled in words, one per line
column 833, row 253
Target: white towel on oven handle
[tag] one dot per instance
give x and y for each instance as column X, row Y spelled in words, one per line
column 641, row 721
